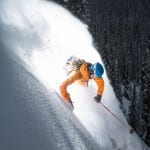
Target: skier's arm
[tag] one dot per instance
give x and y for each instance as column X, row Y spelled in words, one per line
column 100, row 85
column 63, row 87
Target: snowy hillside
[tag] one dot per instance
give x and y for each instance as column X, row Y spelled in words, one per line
column 29, row 116
column 36, row 38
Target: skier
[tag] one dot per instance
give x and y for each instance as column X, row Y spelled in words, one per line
column 82, row 71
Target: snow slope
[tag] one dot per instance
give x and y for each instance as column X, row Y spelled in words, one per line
column 36, row 39
column 29, row 116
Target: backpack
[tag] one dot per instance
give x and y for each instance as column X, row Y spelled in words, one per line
column 73, row 63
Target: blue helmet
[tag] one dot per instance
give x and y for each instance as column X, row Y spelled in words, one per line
column 97, row 69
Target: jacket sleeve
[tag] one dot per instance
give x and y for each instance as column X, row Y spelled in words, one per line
column 63, row 87
column 100, row 85
column 84, row 71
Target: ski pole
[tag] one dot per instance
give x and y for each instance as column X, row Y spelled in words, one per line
column 125, row 125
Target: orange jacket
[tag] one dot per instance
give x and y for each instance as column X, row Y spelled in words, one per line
column 82, row 76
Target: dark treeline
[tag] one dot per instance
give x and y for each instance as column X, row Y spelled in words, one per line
column 121, row 32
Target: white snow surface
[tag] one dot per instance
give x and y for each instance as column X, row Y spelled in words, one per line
column 36, row 38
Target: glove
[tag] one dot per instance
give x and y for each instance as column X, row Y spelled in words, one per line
column 98, row 98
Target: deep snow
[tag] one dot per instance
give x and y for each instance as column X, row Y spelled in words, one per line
column 37, row 37
column 29, row 116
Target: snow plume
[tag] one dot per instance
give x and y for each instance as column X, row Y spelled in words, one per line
column 43, row 35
